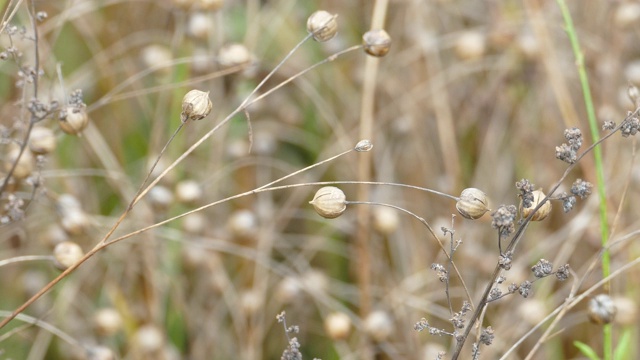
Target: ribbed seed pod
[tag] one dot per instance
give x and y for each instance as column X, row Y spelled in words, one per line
column 329, row 202
column 376, row 42
column 322, row 25
column 544, row 210
column 473, row 203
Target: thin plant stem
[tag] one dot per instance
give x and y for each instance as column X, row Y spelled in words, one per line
column 607, row 350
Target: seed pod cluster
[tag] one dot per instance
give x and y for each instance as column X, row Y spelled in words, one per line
column 329, row 202
column 473, row 203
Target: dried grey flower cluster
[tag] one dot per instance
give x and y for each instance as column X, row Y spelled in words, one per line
column 569, row 152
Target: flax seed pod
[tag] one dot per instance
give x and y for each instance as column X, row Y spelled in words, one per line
column 542, row 212
column 73, row 119
column 25, row 162
column 473, row 203
column 337, row 325
column 376, row 42
column 329, row 202
column 322, row 25
column 66, row 254
column 42, row 140
column 196, row 105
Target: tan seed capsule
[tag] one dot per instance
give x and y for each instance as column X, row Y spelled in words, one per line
column 337, row 325
column 25, row 162
column 376, row 42
column 329, row 202
column 602, row 309
column 66, row 254
column 322, row 25
column 473, row 203
column 234, row 55
column 379, row 325
column 73, row 119
column 196, row 105
column 42, row 140
column 107, row 321
column 544, row 210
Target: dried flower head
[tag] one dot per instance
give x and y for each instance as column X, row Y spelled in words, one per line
column 630, row 126
column 542, row 268
column 503, row 219
column 322, row 25
column 376, row 42
column 581, row 188
column 329, row 202
column 473, row 203
column 196, row 105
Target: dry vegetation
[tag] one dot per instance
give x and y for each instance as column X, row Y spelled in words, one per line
column 472, row 94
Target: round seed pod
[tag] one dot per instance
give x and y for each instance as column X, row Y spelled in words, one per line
column 337, row 325
column 107, row 321
column 196, row 105
column 200, row 25
column 73, row 119
column 156, row 56
column 66, row 254
column 376, row 42
column 42, row 140
column 25, row 164
column 188, row 191
column 626, row 14
column 379, row 325
column 544, row 210
column 329, row 202
column 385, row 220
column 234, row 55
column 288, row 290
column 473, row 203
column 627, row 311
column 149, row 339
column 471, row 45
column 98, row 352
column 243, row 224
column 160, row 197
column 602, row 309
column 322, row 25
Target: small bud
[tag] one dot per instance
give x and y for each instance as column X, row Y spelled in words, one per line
column 329, row 202
column 196, row 105
column 385, row 220
column 364, row 146
column 322, row 25
column 42, row 140
column 66, row 254
column 602, row 309
column 200, row 25
column 243, row 224
column 376, row 42
column 542, row 212
column 73, row 119
column 472, row 204
column 160, row 197
column 337, row 325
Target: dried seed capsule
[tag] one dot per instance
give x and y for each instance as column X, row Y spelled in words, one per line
column 66, row 254
column 107, row 321
column 602, row 309
column 379, row 325
column 473, row 203
column 337, row 325
column 322, row 25
column 234, row 55
column 196, row 105
column 544, row 210
column 25, row 163
column 376, row 42
column 42, row 140
column 73, row 119
column 329, row 202
column 471, row 45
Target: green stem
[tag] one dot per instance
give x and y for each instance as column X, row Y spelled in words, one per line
column 597, row 153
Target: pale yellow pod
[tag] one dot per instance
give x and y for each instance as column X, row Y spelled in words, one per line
column 329, row 202
column 473, row 203
column 544, row 210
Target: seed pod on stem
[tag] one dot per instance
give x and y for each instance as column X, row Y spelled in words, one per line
column 196, row 105
column 473, row 203
column 322, row 25
column 329, row 202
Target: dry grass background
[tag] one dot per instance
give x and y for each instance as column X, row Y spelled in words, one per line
column 472, row 94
